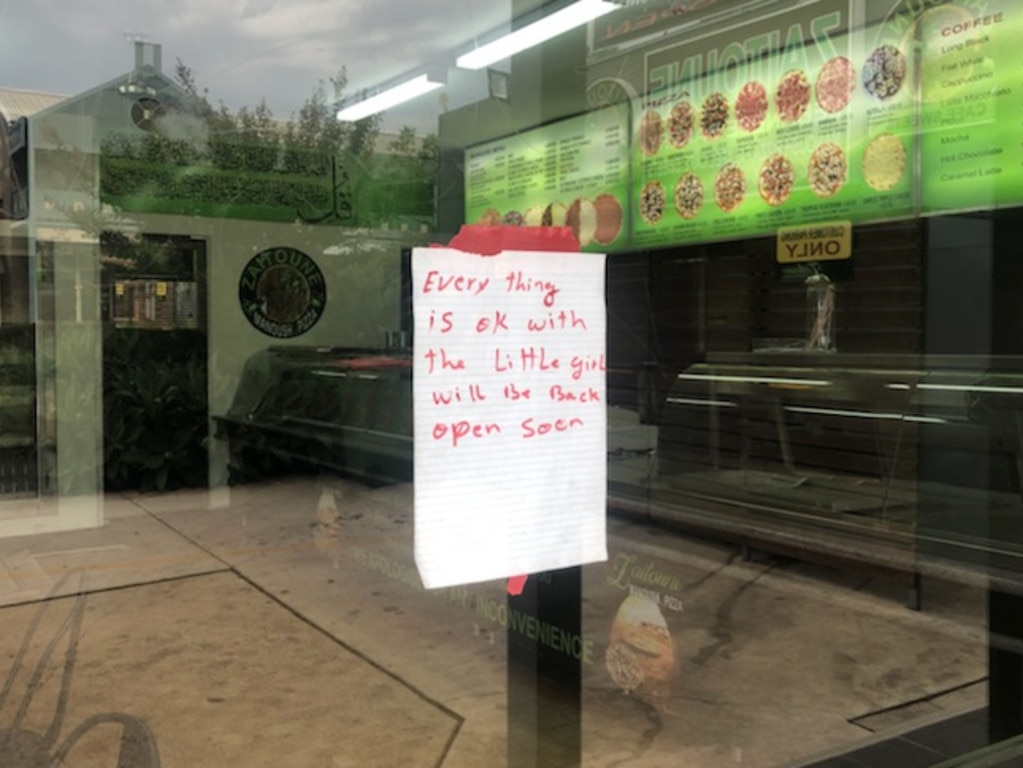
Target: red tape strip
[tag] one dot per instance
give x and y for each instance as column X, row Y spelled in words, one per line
column 492, row 240
column 516, row 584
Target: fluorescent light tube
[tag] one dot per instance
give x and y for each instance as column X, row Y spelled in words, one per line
column 694, row 401
column 754, row 379
column 972, row 388
column 392, row 97
column 866, row 414
column 533, row 34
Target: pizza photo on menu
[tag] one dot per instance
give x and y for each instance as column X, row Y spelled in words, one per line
column 836, row 83
column 884, row 162
column 609, row 218
column 827, row 170
column 680, row 124
column 729, row 187
column 651, row 202
column 582, row 220
column 651, row 132
column 792, row 96
column 688, row 195
column 751, row 106
column 534, row 216
column 776, row 179
column 490, row 218
column 554, row 215
column 884, row 72
column 714, row 115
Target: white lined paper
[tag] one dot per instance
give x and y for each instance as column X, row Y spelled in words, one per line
column 507, row 484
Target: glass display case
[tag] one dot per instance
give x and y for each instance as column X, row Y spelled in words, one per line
column 892, row 463
column 882, row 463
column 345, row 410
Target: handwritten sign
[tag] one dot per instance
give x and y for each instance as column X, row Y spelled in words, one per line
column 510, row 413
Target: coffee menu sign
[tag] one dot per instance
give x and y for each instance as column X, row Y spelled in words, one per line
column 573, row 173
column 971, row 105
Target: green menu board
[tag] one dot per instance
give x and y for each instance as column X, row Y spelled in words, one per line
column 971, row 104
column 809, row 132
column 572, row 173
column 811, row 115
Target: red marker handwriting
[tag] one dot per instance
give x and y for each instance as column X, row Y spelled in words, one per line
column 518, row 282
column 561, row 395
column 435, row 282
column 449, row 396
column 532, row 428
column 499, row 322
column 557, row 321
column 446, row 321
column 528, row 359
column 442, row 361
column 458, row 431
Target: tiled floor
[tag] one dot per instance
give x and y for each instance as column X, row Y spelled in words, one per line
column 301, row 599
column 918, row 747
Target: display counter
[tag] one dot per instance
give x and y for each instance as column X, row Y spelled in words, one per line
column 888, row 463
column 344, row 410
column 893, row 465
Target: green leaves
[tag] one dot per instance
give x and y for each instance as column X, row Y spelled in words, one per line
column 246, row 164
column 154, row 410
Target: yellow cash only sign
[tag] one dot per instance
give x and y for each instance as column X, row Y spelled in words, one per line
column 827, row 241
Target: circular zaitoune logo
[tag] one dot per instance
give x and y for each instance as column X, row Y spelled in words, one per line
column 282, row 292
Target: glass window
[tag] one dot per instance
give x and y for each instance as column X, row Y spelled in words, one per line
column 645, row 394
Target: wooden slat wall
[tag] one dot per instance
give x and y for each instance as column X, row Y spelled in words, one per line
column 693, row 302
column 879, row 299
column 676, row 306
column 628, row 328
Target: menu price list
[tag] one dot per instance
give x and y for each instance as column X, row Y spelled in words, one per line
column 971, row 106
column 573, row 173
